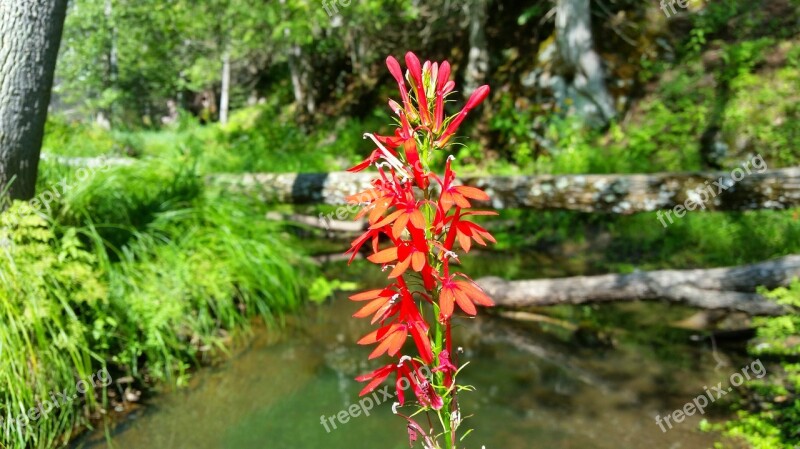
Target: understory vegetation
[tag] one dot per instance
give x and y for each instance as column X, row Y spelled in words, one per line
column 769, row 410
column 137, row 269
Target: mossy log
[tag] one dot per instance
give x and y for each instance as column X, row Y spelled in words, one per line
column 624, row 194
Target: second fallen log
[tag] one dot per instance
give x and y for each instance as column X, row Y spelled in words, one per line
column 730, row 288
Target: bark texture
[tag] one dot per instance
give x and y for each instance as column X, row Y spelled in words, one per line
column 582, row 85
column 300, row 72
column 731, row 288
column 224, row 99
column 624, row 194
column 478, row 58
column 30, row 32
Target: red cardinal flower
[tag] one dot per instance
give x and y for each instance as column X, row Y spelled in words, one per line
column 457, row 195
column 464, row 293
column 413, row 232
column 382, row 303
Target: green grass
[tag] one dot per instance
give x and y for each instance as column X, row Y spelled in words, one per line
column 259, row 138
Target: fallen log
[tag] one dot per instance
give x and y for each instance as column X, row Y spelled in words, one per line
column 354, row 227
column 625, row 194
column 348, row 228
column 88, row 162
column 731, row 288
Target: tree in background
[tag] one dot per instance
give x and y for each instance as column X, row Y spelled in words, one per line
column 583, row 86
column 31, row 33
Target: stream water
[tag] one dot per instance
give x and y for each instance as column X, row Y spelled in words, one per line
column 536, row 386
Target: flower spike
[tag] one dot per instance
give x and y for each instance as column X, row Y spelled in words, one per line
column 416, row 233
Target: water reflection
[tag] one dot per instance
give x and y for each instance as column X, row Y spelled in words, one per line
column 534, row 389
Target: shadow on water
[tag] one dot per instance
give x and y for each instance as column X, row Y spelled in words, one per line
column 534, row 388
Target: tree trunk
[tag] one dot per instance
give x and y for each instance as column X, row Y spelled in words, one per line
column 623, row 194
column 301, row 79
column 30, row 32
column 112, row 60
column 224, row 97
column 113, row 64
column 478, row 58
column 731, row 288
column 583, row 86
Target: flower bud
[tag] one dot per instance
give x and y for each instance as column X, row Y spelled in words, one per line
column 477, row 97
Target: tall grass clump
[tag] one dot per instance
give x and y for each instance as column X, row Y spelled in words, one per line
column 190, row 278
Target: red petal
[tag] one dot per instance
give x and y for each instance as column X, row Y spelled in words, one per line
column 378, row 334
column 419, row 333
column 480, row 212
column 446, row 201
column 473, row 192
column 367, row 295
column 379, row 209
column 444, row 75
column 371, row 307
column 394, row 68
column 400, row 225
column 418, row 261
column 400, row 268
column 396, row 341
column 391, row 343
column 465, row 303
column 461, row 201
column 363, row 197
column 446, row 299
column 475, row 293
column 414, row 68
column 384, row 256
column 487, row 236
column 390, row 218
column 464, row 241
column 418, row 220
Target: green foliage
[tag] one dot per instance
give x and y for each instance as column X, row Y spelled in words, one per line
column 268, row 139
column 260, row 138
column 128, row 58
column 696, row 240
column 76, row 139
column 47, row 283
column 778, row 336
column 322, row 288
column 763, row 114
column 194, row 276
column 773, row 417
column 136, row 267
